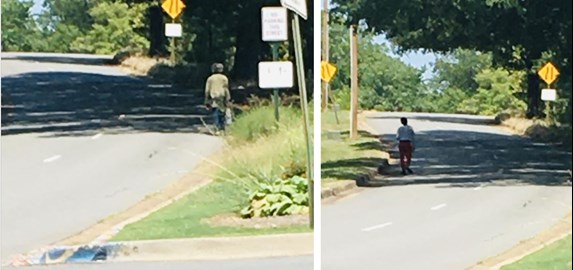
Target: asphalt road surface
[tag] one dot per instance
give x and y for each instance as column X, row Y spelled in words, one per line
column 287, row 263
column 82, row 141
column 489, row 191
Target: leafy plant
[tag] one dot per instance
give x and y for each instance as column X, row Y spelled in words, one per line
column 278, row 198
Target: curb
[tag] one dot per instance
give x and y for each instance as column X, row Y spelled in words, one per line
column 214, row 248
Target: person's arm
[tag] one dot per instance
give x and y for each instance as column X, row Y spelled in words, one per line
column 207, row 91
column 398, row 135
column 227, row 92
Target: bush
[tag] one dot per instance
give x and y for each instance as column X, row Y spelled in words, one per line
column 278, row 198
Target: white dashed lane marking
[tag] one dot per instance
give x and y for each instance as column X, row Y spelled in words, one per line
column 439, row 206
column 380, row 226
column 97, row 136
column 52, row 159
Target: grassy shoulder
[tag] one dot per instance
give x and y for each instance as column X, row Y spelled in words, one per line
column 258, row 150
column 553, row 257
column 539, row 130
column 343, row 158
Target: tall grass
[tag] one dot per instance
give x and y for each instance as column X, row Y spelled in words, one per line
column 260, row 149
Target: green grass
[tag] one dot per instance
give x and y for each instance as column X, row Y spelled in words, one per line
column 342, row 158
column 182, row 219
column 258, row 154
column 556, row 256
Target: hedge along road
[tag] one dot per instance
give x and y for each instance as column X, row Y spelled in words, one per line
column 480, row 191
column 82, row 141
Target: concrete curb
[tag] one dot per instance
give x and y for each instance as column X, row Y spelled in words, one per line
column 215, row 248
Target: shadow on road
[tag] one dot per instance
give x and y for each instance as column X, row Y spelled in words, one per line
column 447, row 119
column 456, row 157
column 79, row 104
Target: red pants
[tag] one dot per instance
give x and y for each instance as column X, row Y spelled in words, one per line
column 405, row 148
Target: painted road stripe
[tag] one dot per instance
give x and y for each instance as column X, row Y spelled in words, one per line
column 438, row 207
column 97, row 136
column 51, row 159
column 377, row 227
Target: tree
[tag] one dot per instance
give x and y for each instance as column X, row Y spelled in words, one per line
column 385, row 82
column 515, row 32
column 18, row 27
column 114, row 29
column 459, row 68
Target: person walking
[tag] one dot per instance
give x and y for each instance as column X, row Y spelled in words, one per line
column 405, row 137
column 217, row 96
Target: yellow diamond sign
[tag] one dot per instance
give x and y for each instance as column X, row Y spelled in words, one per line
column 173, row 7
column 548, row 73
column 327, row 71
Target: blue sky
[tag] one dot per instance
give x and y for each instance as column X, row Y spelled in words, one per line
column 415, row 59
column 37, row 6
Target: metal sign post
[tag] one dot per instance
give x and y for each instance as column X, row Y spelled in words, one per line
column 274, row 30
column 304, row 106
column 173, row 8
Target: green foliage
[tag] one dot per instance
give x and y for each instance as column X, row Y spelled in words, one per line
column 18, row 27
column 497, row 92
column 114, row 29
column 458, row 69
column 385, row 82
column 278, row 198
column 260, row 121
column 516, row 33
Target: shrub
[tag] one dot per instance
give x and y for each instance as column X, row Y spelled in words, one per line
column 278, row 198
column 260, row 121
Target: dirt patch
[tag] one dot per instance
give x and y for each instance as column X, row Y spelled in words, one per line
column 232, row 220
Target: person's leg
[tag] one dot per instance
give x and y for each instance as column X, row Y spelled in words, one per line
column 408, row 154
column 216, row 119
column 402, row 150
column 221, row 120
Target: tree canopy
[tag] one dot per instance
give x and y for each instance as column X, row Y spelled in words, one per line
column 517, row 33
column 225, row 31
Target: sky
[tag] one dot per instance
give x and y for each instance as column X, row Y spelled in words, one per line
column 415, row 59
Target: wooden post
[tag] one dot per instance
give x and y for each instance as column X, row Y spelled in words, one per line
column 353, row 82
column 325, row 52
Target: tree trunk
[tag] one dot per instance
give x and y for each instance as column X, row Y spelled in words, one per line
column 156, row 32
column 533, row 96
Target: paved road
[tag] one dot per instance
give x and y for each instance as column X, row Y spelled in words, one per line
column 69, row 159
column 489, row 191
column 288, row 263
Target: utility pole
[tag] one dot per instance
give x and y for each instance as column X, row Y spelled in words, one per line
column 325, row 52
column 353, row 82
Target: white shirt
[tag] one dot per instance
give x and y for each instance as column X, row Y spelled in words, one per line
column 405, row 133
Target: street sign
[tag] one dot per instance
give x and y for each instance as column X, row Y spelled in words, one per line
column 548, row 73
column 297, row 6
column 548, row 94
column 173, row 30
column 274, row 24
column 173, row 7
column 276, row 74
column 327, row 71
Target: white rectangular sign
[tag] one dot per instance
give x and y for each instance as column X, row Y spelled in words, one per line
column 298, row 6
column 173, row 30
column 276, row 75
column 548, row 94
column 274, row 23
